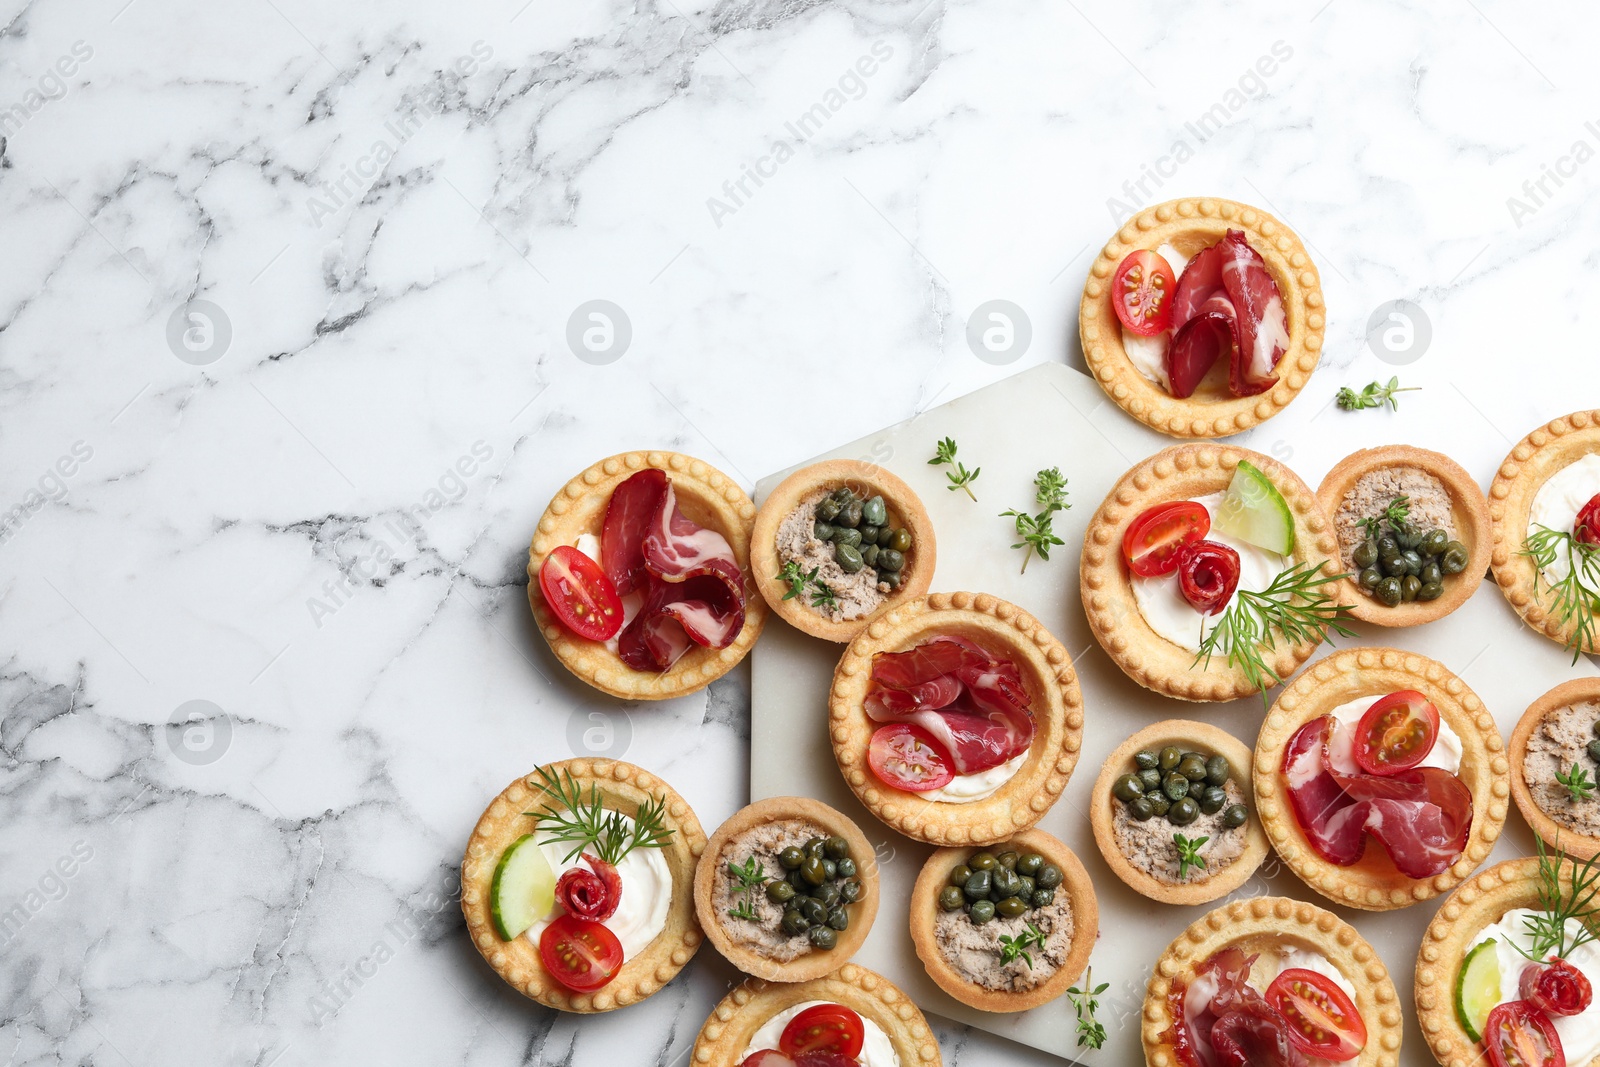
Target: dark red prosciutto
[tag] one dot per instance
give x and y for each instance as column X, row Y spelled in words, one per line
column 693, row 593
column 1226, row 304
column 972, row 703
column 1422, row 817
column 1236, row 1026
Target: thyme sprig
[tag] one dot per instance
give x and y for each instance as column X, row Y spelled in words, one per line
column 1373, row 395
column 1012, row 948
column 1577, row 783
column 1295, row 608
column 1091, row 1031
column 571, row 818
column 1397, row 514
column 1037, row 531
column 1573, row 600
column 960, row 478
column 1188, row 854
column 823, row 596
column 747, row 878
column 1558, row 904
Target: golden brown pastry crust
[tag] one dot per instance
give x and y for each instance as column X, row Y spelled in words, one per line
column 905, row 510
column 1555, row 835
column 624, row 787
column 1057, row 708
column 1102, row 812
column 1282, row 919
column 705, row 495
column 1469, row 513
column 1190, row 225
column 734, row 1021
column 1085, row 924
column 1535, row 458
column 1373, row 884
column 812, row 964
column 1184, row 472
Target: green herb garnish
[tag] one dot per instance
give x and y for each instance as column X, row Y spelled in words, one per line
column 1295, row 607
column 571, row 818
column 960, row 478
column 1374, row 395
column 1037, row 531
column 1578, row 784
column 1090, row 1031
column 796, row 578
column 1574, row 601
column 747, row 879
column 1012, row 948
column 1397, row 514
column 1188, row 854
column 822, row 595
column 1558, row 904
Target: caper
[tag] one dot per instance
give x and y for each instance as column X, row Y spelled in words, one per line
column 1146, row 760
column 890, row 560
column 960, row 874
column 1218, row 770
column 828, row 509
column 1150, row 778
column 901, row 541
column 1387, row 545
column 1141, row 809
column 791, row 858
column 1213, row 799
column 1410, row 586
column 1006, row 884
column 1184, row 812
column 1049, row 876
column 1596, row 730
column 1128, row 788
column 812, row 910
column 1011, row 907
column 837, row 848
column 875, row 511
column 846, row 868
column 1193, row 768
column 814, row 872
column 1169, row 759
column 1043, row 898
column 817, row 846
column 869, row 556
column 850, row 514
column 822, row 531
column 1393, row 565
column 1175, row 786
column 1389, row 591
column 828, row 893
column 1008, row 860
column 1371, row 577
column 1431, row 573
column 843, row 495
column 851, row 890
column 1366, row 554
column 983, row 861
column 849, row 559
column 889, row 578
column 838, row 919
column 793, row 923
column 780, row 892
column 1455, row 558
column 1234, row 816
column 1413, row 562
column 1430, row 591
column 1434, row 542
column 797, row 878
column 978, row 885
column 1026, row 886
column 1408, row 537
column 951, row 898
column 1201, row 756
column 831, row 869
column 869, row 533
column 981, row 912
column 822, row 937
column 1158, row 802
column 1029, row 864
column 1593, row 748
column 843, row 535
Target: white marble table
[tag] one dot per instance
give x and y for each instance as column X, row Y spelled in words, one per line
column 285, row 380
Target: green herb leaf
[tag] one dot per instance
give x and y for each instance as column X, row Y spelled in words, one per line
column 1012, row 948
column 1578, row 784
column 822, row 594
column 1559, row 903
column 961, row 478
column 1090, row 1031
column 1188, row 854
column 1373, row 395
column 1037, row 532
column 796, row 578
column 572, row 818
column 747, row 877
column 1573, row 600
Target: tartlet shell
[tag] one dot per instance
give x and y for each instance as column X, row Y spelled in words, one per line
column 624, row 787
column 1085, row 923
column 1057, row 712
column 905, row 509
column 1373, row 883
column 812, row 964
column 735, row 1020
column 1184, row 472
column 705, row 495
column 1555, row 835
column 1279, row 917
column 1532, row 461
column 1469, row 512
column 1102, row 812
column 1212, row 411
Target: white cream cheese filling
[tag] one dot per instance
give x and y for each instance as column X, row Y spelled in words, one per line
column 1149, row 354
column 1557, row 503
column 1445, row 754
column 1580, row 1034
column 876, row 1050
column 966, row 788
column 646, row 893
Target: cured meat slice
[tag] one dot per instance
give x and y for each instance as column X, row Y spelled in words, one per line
column 630, row 514
column 930, row 660
column 1262, row 325
column 976, row 739
column 675, row 547
column 893, row 703
column 1197, row 346
column 704, row 610
column 1200, row 281
column 973, row 703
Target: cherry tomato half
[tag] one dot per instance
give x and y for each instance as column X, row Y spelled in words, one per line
column 1586, row 527
column 1141, row 292
column 1396, row 733
column 1322, row 1020
column 824, row 1028
column 580, row 954
column 1208, row 575
column 1153, row 540
column 771, row 1057
column 1517, row 1034
column 904, row 756
column 580, row 594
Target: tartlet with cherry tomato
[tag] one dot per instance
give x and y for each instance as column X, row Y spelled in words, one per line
column 1508, row 970
column 577, row 884
column 1381, row 778
column 1270, row 982
column 956, row 718
column 1202, row 317
column 638, row 575
column 1208, row 573
column 852, row 1017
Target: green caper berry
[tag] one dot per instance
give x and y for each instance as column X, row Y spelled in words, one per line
column 960, row 874
column 869, row 556
column 1158, row 802
column 797, row 878
column 869, row 534
column 849, row 559
column 1011, row 907
column 1218, row 770
column 1413, row 562
column 831, row 869
column 1430, row 591
column 1175, row 786
column 1150, row 778
column 1431, row 573
column 1193, row 768
column 1008, row 860
column 1146, row 760
column 817, row 846
column 828, row 509
column 1389, row 591
column 1409, row 538
column 1141, row 809
column 791, row 858
column 1387, row 545
column 1213, row 799
column 828, row 893
column 846, row 868
column 1128, row 788
column 889, row 578
column 1410, row 586
column 1006, row 883
column 1169, row 759
column 837, row 848
column 951, row 898
column 814, row 872
column 843, row 535
column 978, row 886
column 1029, row 864
column 780, row 892
column 1049, row 876
column 838, row 919
column 850, row 514
column 875, row 511
column 1434, row 542
column 890, row 560
column 843, row 495
column 1183, row 812
column 1596, row 730
column 1235, row 816
column 1026, row 886
column 886, row 536
column 1365, row 555
column 851, row 890
column 822, row 937
column 1593, row 748
column 813, row 910
column 1370, row 578
column 983, row 861
column 981, row 912
column 822, row 531
column 1455, row 558
column 793, row 923
column 901, row 541
column 1043, row 898
column 1394, row 566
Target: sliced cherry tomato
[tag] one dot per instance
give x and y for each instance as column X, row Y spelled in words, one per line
column 767, row 1057
column 771, row 1057
column 1396, row 733
column 580, row 954
column 1322, row 1020
column 1141, row 292
column 904, row 756
column 1556, row 988
column 824, row 1028
column 1155, row 538
column 580, row 594
column 1586, row 527
column 1517, row 1034
column 1208, row 575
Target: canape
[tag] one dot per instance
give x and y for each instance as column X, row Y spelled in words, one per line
column 1555, row 766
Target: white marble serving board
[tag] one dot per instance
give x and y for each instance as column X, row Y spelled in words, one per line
column 1054, row 416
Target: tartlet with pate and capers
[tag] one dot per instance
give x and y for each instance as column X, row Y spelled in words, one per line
column 838, row 543
column 1171, row 813
column 1555, row 766
column 787, row 889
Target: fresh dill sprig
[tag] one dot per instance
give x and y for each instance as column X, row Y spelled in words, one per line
column 1574, row 601
column 747, row 879
column 1091, row 1031
column 960, row 478
column 1558, row 904
column 1012, row 948
column 1295, row 607
column 1578, row 784
column 571, row 818
column 1188, row 854
column 1037, row 531
column 1373, row 395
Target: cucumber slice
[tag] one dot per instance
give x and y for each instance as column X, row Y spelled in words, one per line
column 523, row 890
column 1477, row 988
column 1253, row 510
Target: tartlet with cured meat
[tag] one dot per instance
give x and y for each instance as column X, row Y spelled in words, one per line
column 1208, row 573
column 1413, row 531
column 1555, row 766
column 1381, row 778
column 852, row 1017
column 956, row 718
column 577, row 884
column 1544, row 510
column 787, row 889
column 637, row 575
column 1006, row 927
column 1202, row 317
column 839, row 543
column 1271, row 982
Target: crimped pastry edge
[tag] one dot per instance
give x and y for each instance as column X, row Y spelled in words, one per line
column 1554, row 834
column 1057, row 715
column 1373, row 884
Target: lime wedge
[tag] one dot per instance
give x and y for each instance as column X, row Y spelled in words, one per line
column 523, row 890
column 1477, row 988
column 1253, row 510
